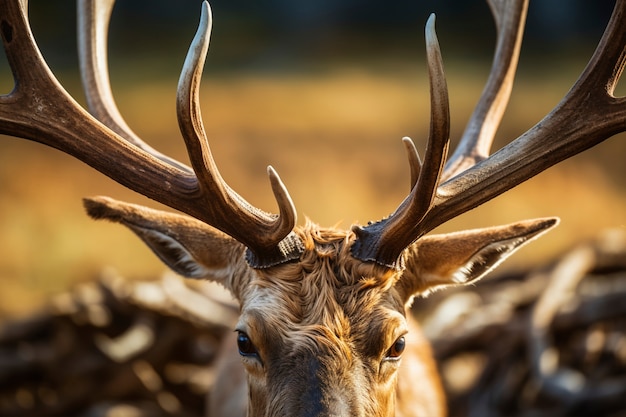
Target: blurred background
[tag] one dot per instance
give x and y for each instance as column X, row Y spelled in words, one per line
column 323, row 91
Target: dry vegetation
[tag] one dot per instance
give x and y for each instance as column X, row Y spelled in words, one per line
column 334, row 137
column 547, row 342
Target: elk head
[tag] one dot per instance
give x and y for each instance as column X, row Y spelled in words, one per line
column 323, row 323
column 324, row 335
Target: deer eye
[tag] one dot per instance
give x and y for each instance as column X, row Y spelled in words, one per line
column 395, row 351
column 245, row 345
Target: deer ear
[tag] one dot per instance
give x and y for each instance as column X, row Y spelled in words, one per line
column 188, row 246
column 438, row 261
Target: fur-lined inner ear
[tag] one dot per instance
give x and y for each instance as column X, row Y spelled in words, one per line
column 438, row 261
column 188, row 246
column 172, row 253
column 486, row 259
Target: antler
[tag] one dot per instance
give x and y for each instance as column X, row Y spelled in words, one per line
column 587, row 115
column 93, row 26
column 40, row 109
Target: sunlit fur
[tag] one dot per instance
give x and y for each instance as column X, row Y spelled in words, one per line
column 322, row 327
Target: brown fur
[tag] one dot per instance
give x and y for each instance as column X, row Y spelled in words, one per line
column 324, row 324
column 315, row 309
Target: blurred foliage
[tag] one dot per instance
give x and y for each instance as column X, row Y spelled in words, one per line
column 324, row 99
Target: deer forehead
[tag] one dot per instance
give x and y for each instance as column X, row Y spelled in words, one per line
column 282, row 329
column 328, row 297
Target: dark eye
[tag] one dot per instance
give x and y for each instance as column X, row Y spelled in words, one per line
column 245, row 345
column 395, row 351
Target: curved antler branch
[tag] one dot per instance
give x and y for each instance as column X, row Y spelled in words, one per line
column 259, row 231
column 415, row 163
column 40, row 109
column 93, row 26
column 385, row 240
column 587, row 115
column 475, row 144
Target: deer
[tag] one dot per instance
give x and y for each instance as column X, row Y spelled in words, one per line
column 324, row 327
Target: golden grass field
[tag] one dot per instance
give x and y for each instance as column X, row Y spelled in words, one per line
column 334, row 137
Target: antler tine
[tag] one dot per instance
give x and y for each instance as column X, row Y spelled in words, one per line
column 93, row 25
column 475, row 144
column 586, row 116
column 259, row 231
column 384, row 241
column 415, row 163
column 40, row 109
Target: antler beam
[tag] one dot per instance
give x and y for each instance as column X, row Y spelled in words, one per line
column 93, row 26
column 586, row 116
column 475, row 144
column 424, row 179
column 40, row 109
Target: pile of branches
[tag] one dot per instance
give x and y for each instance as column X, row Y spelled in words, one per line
column 116, row 348
column 551, row 342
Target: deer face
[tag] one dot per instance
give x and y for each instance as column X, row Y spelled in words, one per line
column 325, row 334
